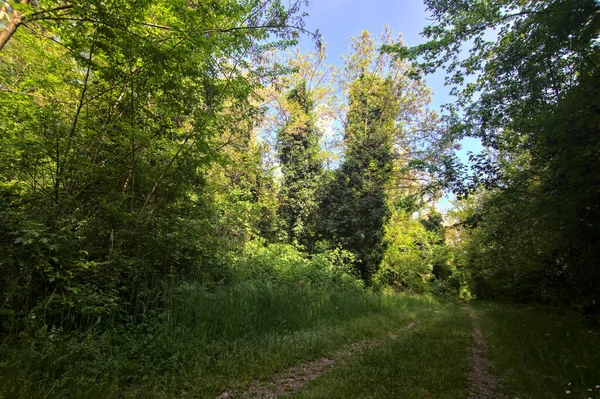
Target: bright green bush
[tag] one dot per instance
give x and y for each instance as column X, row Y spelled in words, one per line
column 408, row 261
column 284, row 263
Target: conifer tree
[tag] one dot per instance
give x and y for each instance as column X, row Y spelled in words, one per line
column 301, row 163
column 355, row 207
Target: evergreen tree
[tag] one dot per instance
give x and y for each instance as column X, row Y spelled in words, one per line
column 299, row 154
column 355, row 207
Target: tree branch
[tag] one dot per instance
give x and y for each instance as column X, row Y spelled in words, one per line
column 11, row 28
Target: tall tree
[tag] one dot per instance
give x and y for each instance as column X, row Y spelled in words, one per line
column 355, row 208
column 301, row 164
column 532, row 97
column 388, row 128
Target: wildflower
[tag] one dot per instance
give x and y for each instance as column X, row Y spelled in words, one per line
column 568, row 392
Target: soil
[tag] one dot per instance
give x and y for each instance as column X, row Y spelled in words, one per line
column 483, row 384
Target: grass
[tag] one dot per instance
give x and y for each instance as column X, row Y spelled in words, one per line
column 541, row 354
column 428, row 361
column 202, row 342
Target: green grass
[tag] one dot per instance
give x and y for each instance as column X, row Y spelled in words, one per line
column 202, row 342
column 428, row 361
column 541, row 354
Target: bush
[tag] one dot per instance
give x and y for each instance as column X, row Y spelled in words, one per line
column 284, row 263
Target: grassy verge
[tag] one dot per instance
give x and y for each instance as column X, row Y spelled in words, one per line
column 428, row 361
column 540, row 354
column 202, row 342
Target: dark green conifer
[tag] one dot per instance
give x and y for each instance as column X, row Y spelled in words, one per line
column 301, row 164
column 354, row 206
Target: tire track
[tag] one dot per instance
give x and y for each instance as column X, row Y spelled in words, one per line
column 295, row 378
column 483, row 384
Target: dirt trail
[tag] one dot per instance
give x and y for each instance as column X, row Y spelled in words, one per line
column 293, row 379
column 483, row 384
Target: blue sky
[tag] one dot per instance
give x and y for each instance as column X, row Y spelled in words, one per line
column 337, row 20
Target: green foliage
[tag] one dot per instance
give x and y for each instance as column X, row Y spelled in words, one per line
column 284, row 263
column 408, row 261
column 417, row 258
column 301, row 163
column 129, row 158
column 528, row 88
column 241, row 193
column 113, row 117
column 513, row 253
column 355, row 207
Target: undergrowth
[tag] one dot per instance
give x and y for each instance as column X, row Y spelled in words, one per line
column 203, row 341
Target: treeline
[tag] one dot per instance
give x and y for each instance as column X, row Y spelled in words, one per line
column 531, row 227
column 133, row 158
column 151, row 144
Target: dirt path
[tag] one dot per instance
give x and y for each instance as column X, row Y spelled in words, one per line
column 293, row 379
column 483, row 384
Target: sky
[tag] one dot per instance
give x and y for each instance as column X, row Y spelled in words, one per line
column 337, row 20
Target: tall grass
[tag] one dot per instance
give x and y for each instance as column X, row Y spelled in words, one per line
column 200, row 342
column 252, row 309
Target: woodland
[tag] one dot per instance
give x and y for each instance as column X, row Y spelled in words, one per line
column 188, row 202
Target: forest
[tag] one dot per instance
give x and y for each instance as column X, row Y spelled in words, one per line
column 194, row 205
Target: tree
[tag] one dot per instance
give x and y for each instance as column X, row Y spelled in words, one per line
column 388, row 130
column 411, row 254
column 533, row 100
column 355, row 208
column 301, row 163
column 299, row 105
column 110, row 118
